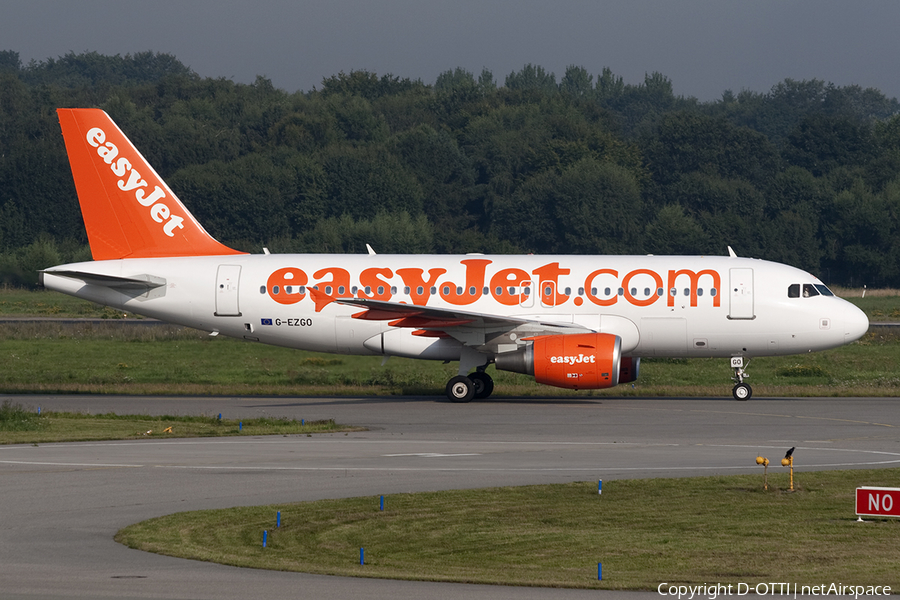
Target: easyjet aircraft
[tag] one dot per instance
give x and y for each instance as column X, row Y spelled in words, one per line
column 580, row 322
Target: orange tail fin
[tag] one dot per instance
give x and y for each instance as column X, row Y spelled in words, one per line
column 128, row 210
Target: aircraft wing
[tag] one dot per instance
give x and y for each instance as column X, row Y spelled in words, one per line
column 470, row 328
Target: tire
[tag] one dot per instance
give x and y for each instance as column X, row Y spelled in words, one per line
column 742, row 391
column 460, row 389
column 484, row 385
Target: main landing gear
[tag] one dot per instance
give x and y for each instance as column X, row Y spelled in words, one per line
column 463, row 388
column 741, row 390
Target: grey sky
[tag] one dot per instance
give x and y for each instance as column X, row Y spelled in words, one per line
column 703, row 46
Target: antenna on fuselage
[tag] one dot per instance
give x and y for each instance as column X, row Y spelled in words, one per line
column 731, row 253
column 369, row 248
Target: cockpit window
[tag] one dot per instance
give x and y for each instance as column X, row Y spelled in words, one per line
column 808, row 290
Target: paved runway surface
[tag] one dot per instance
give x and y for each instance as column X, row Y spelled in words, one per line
column 61, row 504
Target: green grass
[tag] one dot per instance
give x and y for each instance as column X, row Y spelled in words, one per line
column 116, row 358
column 19, row 425
column 697, row 530
column 884, row 309
column 14, row 418
column 16, row 302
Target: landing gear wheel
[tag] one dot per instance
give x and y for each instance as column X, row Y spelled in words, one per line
column 742, row 391
column 483, row 383
column 460, row 389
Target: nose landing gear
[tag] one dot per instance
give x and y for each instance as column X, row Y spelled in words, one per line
column 741, row 390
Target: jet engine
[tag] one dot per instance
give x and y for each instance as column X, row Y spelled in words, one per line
column 579, row 361
column 629, row 367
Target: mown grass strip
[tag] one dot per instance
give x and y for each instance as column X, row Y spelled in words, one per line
column 117, row 358
column 645, row 532
column 19, row 425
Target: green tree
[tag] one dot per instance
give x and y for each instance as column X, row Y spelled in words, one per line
column 674, row 232
column 609, row 87
column 364, row 181
column 822, row 143
column 10, row 61
column 863, row 234
column 386, row 233
column 365, row 84
column 577, row 82
column 686, row 142
column 532, row 78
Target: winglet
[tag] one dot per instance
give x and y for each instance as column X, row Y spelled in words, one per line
column 128, row 210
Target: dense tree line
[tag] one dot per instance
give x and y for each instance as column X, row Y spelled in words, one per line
column 807, row 173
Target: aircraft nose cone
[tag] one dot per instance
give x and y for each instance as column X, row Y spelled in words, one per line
column 855, row 323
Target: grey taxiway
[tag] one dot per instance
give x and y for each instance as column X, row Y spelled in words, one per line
column 61, row 504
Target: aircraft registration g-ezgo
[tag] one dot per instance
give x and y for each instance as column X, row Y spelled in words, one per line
column 579, row 322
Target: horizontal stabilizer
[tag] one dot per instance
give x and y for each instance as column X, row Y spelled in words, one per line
column 135, row 282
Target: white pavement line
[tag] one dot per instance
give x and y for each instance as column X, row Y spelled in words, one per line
column 591, row 469
column 430, row 455
column 59, row 464
column 802, row 448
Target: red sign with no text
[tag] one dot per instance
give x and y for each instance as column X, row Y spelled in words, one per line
column 878, row 502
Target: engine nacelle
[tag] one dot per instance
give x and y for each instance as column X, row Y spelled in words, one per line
column 580, row 361
column 629, row 367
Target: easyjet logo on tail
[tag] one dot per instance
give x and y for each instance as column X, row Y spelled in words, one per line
column 131, row 180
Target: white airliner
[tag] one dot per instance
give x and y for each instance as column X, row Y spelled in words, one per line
column 579, row 322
